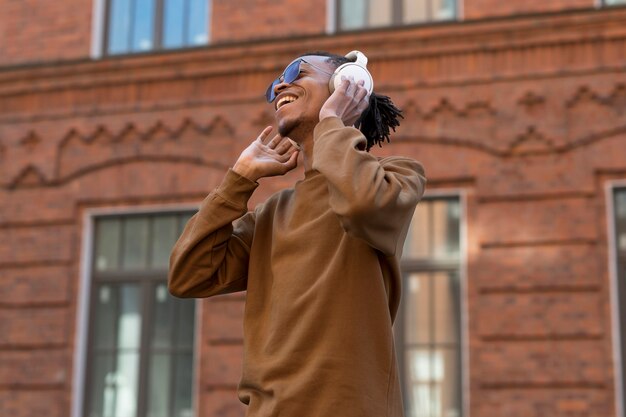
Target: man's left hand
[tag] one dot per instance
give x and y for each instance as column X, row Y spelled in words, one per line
column 348, row 102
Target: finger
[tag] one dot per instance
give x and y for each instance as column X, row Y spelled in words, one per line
column 363, row 105
column 265, row 134
column 351, row 87
column 283, row 146
column 284, row 157
column 361, row 93
column 345, row 83
column 293, row 160
column 274, row 142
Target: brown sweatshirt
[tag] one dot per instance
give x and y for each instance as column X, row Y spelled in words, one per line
column 320, row 263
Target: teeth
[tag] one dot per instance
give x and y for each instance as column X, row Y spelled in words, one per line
column 285, row 100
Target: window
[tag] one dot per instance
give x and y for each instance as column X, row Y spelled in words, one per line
column 359, row 14
column 619, row 203
column 614, row 2
column 147, row 25
column 428, row 329
column 140, row 350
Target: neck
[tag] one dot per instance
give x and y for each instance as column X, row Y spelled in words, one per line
column 306, row 149
column 302, row 134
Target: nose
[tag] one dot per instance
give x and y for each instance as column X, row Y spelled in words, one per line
column 280, row 87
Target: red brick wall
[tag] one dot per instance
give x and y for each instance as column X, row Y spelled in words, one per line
column 525, row 116
column 259, row 19
column 43, row 31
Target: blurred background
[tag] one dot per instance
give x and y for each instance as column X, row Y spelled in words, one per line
column 117, row 117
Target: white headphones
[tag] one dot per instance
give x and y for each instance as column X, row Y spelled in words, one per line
column 356, row 69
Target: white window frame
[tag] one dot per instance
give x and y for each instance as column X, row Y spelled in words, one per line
column 84, row 288
column 98, row 17
column 611, row 186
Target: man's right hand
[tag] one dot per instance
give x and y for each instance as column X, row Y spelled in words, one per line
column 267, row 157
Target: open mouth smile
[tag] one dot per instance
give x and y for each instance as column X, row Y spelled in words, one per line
column 285, row 99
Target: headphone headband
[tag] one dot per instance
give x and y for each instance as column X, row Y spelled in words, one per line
column 358, row 57
column 356, row 69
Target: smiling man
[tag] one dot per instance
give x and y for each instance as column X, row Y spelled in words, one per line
column 319, row 261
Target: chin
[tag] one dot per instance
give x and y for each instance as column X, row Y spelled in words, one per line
column 290, row 128
column 285, row 127
column 297, row 129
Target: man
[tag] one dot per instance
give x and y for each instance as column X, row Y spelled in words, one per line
column 320, row 261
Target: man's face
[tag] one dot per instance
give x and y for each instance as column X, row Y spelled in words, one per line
column 298, row 104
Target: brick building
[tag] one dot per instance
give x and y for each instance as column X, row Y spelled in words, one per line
column 118, row 116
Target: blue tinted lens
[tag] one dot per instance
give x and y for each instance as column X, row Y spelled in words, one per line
column 289, row 76
column 292, row 71
column 269, row 94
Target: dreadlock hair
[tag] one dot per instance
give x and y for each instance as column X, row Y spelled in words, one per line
column 381, row 114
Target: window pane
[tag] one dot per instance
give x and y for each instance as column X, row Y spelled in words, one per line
column 445, row 229
column 105, row 316
column 434, row 232
column 186, row 323
column 107, row 244
column 620, row 204
column 454, row 228
column 415, row 11
column 444, row 9
column 183, row 387
column 143, row 25
column 198, row 22
column 433, row 383
column 417, row 243
column 450, row 385
column 164, row 310
column 114, row 387
column 164, row 235
column 125, row 384
column 129, row 321
column 417, row 318
column 119, row 26
column 446, row 307
column 380, row 13
column 136, row 243
column 102, row 399
column 353, row 14
column 620, row 219
column 612, row 2
column 116, row 359
column 418, row 377
column 159, row 391
column 174, row 23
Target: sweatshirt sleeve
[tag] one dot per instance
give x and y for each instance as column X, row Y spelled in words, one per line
column 374, row 199
column 211, row 255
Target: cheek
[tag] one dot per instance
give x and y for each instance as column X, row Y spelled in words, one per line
column 319, row 101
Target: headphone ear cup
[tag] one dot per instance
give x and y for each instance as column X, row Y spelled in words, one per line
column 354, row 70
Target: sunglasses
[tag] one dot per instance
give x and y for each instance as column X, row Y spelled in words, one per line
column 288, row 76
